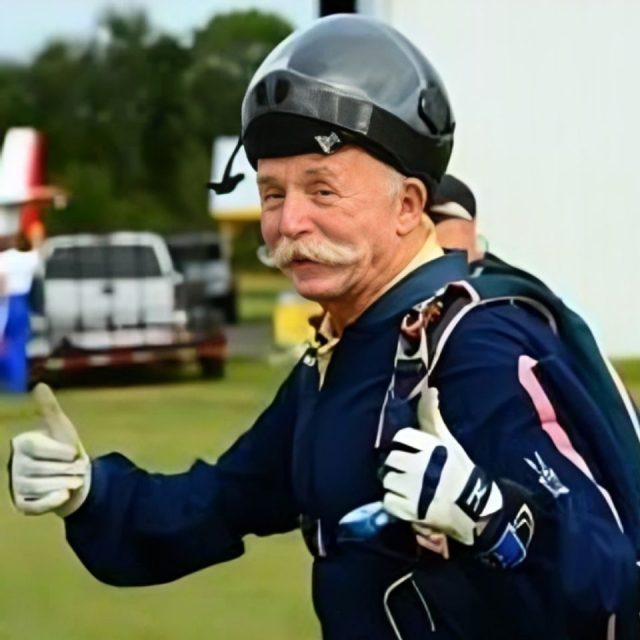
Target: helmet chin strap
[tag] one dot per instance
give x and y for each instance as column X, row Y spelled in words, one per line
column 228, row 182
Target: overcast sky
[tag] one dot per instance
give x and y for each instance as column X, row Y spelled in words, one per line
column 25, row 25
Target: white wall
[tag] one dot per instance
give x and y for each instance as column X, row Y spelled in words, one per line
column 547, row 101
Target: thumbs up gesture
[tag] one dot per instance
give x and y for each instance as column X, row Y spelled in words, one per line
column 431, row 480
column 49, row 469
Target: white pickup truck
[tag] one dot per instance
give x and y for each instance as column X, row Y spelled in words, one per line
column 111, row 300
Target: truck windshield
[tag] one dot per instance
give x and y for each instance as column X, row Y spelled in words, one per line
column 102, row 262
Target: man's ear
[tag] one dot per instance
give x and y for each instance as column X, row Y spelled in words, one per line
column 413, row 201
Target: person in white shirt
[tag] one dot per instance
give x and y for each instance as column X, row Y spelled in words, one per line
column 18, row 265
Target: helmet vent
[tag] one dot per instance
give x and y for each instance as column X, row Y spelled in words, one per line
column 281, row 91
column 261, row 94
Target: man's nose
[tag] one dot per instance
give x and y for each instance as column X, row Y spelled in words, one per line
column 295, row 217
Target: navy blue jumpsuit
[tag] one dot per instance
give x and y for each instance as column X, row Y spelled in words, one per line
column 312, row 452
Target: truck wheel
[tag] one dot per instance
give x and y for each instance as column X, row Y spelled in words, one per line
column 211, row 369
column 231, row 308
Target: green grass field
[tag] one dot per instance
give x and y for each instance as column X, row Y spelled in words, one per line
column 45, row 594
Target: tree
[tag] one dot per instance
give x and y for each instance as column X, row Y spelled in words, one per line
column 226, row 53
column 130, row 115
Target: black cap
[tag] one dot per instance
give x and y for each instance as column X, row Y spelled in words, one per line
column 453, row 199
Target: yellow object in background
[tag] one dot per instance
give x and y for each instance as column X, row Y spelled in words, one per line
column 291, row 319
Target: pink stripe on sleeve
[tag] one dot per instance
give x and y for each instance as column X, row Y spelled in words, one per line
column 551, row 426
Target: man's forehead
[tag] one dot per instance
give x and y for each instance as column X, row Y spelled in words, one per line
column 308, row 164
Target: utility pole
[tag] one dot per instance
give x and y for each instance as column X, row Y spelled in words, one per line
column 328, row 7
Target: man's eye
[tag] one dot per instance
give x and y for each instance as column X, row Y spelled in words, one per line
column 271, row 197
column 325, row 193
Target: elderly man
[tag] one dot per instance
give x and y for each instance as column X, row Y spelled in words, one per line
column 350, row 129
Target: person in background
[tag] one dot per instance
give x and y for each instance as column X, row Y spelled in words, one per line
column 454, row 214
column 453, row 211
column 19, row 263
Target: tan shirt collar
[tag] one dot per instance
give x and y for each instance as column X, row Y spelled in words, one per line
column 430, row 250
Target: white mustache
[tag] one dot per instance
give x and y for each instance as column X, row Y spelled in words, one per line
column 327, row 253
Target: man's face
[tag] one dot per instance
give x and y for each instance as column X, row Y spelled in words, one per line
column 328, row 221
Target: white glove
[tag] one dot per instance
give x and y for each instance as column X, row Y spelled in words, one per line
column 433, row 482
column 49, row 469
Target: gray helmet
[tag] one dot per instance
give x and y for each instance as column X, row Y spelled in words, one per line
column 348, row 79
